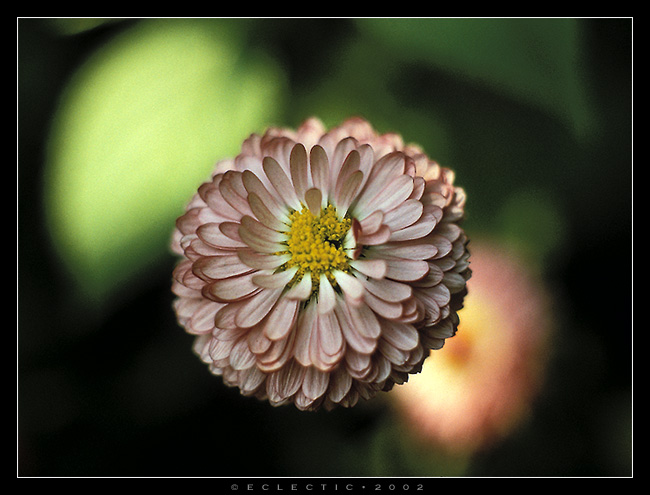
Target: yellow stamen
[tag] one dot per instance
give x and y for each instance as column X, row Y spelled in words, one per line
column 315, row 244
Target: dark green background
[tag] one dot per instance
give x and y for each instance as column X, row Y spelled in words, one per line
column 535, row 117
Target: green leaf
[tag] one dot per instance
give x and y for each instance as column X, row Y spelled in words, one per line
column 139, row 127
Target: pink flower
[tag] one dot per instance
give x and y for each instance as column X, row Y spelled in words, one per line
column 481, row 386
column 319, row 267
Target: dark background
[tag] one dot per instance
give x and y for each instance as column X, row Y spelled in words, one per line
column 113, row 389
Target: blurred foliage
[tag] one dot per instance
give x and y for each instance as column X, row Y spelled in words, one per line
column 140, row 124
column 121, row 119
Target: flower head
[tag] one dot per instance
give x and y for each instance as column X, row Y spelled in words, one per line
column 492, row 370
column 321, row 266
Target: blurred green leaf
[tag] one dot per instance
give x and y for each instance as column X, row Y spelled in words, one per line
column 138, row 128
column 536, row 61
column 533, row 223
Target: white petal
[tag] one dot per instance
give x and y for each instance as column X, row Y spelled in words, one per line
column 275, row 280
column 326, row 295
column 350, row 286
column 302, row 290
column 369, row 267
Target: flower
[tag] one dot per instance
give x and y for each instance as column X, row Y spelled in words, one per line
column 320, row 267
column 481, row 386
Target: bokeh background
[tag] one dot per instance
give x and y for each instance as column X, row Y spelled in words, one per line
column 120, row 120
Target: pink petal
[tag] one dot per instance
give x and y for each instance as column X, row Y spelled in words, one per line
column 216, row 267
column 221, row 349
column 417, row 230
column 253, row 184
column 264, row 215
column 374, row 268
column 372, row 222
column 261, row 261
column 353, row 337
column 250, row 380
column 384, row 171
column 329, row 334
column 281, row 182
column 340, row 384
column 258, row 343
column 282, row 319
column 315, row 383
column 349, row 165
column 364, row 320
column 304, row 329
column 350, row 286
column 379, row 237
column 404, row 215
column 406, row 270
column 298, row 165
column 389, row 310
column 389, row 290
column 395, row 193
column 443, row 244
column 392, row 353
column 314, row 199
column 211, row 234
column 409, row 251
column 434, row 277
column 241, row 357
column 252, row 238
column 210, row 193
column 202, row 319
column 257, row 307
column 238, row 202
column 278, row 354
column 285, row 382
column 348, row 190
column 341, row 154
column 400, row 335
column 326, row 296
column 259, row 230
column 233, row 288
column 320, row 169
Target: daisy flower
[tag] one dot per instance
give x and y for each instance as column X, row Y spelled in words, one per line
column 319, row 267
column 493, row 369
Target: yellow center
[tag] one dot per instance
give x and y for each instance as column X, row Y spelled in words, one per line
column 315, row 244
